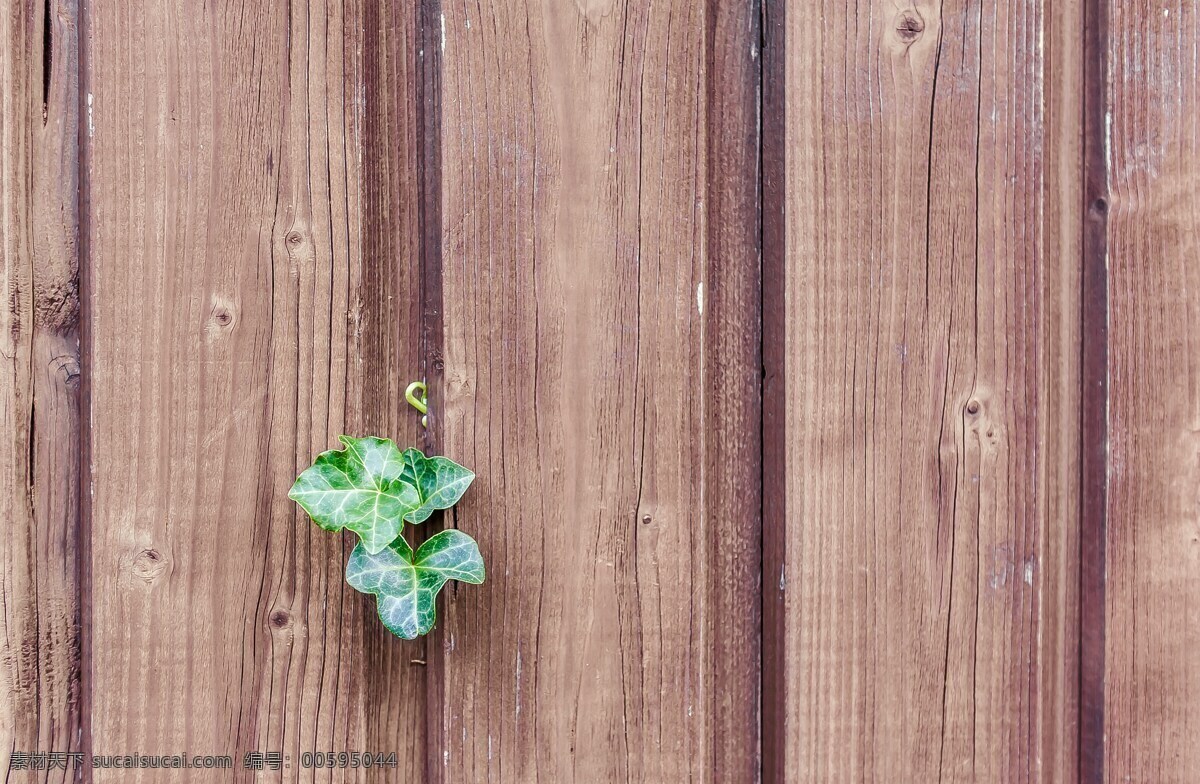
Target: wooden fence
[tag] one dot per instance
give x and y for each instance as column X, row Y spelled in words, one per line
column 827, row 369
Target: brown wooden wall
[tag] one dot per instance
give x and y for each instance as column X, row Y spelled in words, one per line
column 827, row 369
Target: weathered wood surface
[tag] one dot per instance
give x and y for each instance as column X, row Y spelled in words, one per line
column 1093, row 416
column 731, row 504
column 930, row 376
column 39, row 384
column 249, row 288
column 959, row 389
column 389, row 350
column 1152, row 148
column 582, row 366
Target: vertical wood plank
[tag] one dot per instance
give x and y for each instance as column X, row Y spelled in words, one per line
column 1094, row 390
column 239, row 322
column 1056, row 703
column 578, row 308
column 1152, row 149
column 39, row 385
column 775, row 501
column 929, row 368
column 388, row 328
column 731, row 291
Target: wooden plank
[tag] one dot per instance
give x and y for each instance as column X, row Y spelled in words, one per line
column 774, row 391
column 39, row 385
column 1094, row 403
column 576, row 176
column 1152, row 149
column 1058, row 687
column 929, row 320
column 390, row 349
column 250, row 295
column 731, row 496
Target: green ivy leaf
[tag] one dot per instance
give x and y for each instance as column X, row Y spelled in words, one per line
column 439, row 480
column 406, row 584
column 360, row 488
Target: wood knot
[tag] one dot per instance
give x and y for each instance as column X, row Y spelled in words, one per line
column 909, row 25
column 221, row 318
column 973, row 407
column 55, row 301
column 294, row 239
column 280, row 619
column 149, row 565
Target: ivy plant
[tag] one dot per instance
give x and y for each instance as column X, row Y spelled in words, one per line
column 372, row 488
column 406, row 584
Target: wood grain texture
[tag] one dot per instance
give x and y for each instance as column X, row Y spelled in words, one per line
column 576, row 178
column 389, row 333
column 845, row 431
column 1093, row 506
column 731, row 500
column 930, row 366
column 39, row 385
column 773, row 233
column 249, row 290
column 1058, row 652
column 1152, row 700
